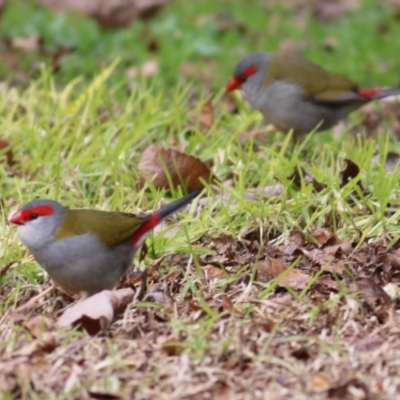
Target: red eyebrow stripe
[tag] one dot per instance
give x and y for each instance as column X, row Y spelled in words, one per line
column 39, row 210
column 248, row 72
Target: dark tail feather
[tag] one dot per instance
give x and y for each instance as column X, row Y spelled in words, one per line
column 175, row 206
column 154, row 219
column 386, row 93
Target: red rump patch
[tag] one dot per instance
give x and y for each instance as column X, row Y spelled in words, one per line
column 370, row 92
column 146, row 227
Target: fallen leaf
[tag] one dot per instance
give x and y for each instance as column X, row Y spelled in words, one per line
column 345, row 248
column 172, row 347
column 301, row 354
column 96, row 312
column 297, row 237
column 211, row 272
column 228, row 305
column 350, row 171
column 170, row 167
column 146, row 9
column 103, row 396
column 85, row 7
column 8, row 152
column 320, row 381
column 272, row 268
column 226, row 22
column 269, row 269
column 295, row 279
column 206, row 117
column 389, row 258
column 322, row 236
column 38, row 325
column 373, row 294
column 392, row 290
column 136, row 360
column 26, row 45
column 3, row 4
column 327, row 281
column 301, row 176
column 109, row 13
column 347, row 390
column 331, row 10
column 368, row 343
column 46, row 343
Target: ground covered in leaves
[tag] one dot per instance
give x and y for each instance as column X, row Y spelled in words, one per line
column 281, row 281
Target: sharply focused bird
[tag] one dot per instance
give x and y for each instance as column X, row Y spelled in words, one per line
column 86, row 250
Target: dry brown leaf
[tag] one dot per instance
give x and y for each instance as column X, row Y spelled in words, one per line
column 322, row 236
column 96, row 312
column 269, row 269
column 38, row 325
column 295, row 279
column 136, row 360
column 146, row 9
column 206, row 117
column 300, row 176
column 227, row 304
column 2, row 6
column 351, row 171
column 345, row 248
column 160, row 165
column 392, row 290
column 327, row 281
column 85, row 7
column 102, row 396
column 109, row 13
column 320, row 381
column 368, row 343
column 346, row 390
column 272, row 268
column 389, row 258
column 226, row 22
column 172, row 347
column 8, row 153
column 26, row 45
column 211, row 272
column 331, row 10
column 297, row 237
column 46, row 343
column 373, row 294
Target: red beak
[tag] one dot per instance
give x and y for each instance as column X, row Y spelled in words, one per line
column 17, row 218
column 233, row 84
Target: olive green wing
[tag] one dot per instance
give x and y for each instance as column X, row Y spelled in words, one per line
column 320, row 84
column 110, row 227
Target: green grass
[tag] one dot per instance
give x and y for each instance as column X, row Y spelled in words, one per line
column 78, row 136
column 189, row 33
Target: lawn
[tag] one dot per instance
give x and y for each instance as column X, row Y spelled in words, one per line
column 281, row 280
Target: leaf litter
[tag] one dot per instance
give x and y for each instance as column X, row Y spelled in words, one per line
column 249, row 289
column 278, row 346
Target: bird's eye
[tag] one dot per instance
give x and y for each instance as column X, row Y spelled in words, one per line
column 34, row 216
